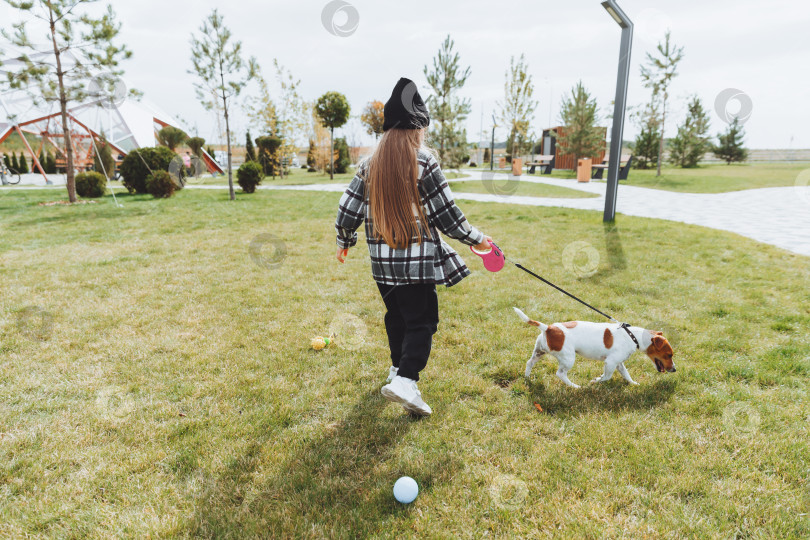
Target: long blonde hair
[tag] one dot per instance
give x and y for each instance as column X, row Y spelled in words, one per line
column 392, row 181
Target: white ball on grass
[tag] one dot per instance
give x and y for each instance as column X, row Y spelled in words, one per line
column 405, row 490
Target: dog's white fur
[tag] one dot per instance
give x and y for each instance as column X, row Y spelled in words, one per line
column 588, row 339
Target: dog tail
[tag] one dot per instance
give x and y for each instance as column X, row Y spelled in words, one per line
column 525, row 318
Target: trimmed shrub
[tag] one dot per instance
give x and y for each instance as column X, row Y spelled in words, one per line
column 23, row 164
column 160, row 184
column 268, row 146
column 91, row 184
column 136, row 166
column 195, row 144
column 249, row 175
column 171, row 137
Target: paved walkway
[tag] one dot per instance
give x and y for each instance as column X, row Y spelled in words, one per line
column 779, row 216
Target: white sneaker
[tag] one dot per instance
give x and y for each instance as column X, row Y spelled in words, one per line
column 405, row 392
column 392, row 372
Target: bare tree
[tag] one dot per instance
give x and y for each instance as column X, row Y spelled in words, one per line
column 222, row 71
column 81, row 48
column 518, row 105
column 448, row 110
column 657, row 74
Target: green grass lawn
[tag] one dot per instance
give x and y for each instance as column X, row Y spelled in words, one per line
column 157, row 379
column 710, row 178
column 509, row 187
column 296, row 177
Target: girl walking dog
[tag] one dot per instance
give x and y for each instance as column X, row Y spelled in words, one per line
column 403, row 197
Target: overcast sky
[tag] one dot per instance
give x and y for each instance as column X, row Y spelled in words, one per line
column 761, row 48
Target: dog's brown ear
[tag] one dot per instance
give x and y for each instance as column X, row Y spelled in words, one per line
column 656, row 332
column 658, row 341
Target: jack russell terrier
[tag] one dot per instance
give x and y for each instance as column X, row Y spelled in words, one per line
column 597, row 341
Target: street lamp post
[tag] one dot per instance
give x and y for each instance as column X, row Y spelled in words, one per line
column 619, row 106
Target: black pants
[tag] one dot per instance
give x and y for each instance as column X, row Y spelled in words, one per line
column 411, row 320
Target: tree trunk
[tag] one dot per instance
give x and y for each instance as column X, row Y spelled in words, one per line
column 661, row 142
column 71, row 179
column 227, row 131
column 230, row 168
column 331, row 153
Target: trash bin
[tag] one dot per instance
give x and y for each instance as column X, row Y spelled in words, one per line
column 584, row 169
column 517, row 167
column 502, row 163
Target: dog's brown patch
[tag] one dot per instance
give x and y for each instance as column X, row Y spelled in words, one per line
column 570, row 324
column 555, row 337
column 608, row 338
column 534, row 323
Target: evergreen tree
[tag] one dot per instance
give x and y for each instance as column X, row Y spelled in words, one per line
column 343, row 158
column 691, row 142
column 446, row 109
column 41, row 159
column 250, row 153
column 50, row 163
column 14, row 163
column 268, row 154
column 7, row 161
column 518, row 107
column 487, row 157
column 311, row 155
column 103, row 161
column 23, row 164
column 645, row 148
column 730, row 147
column 657, row 75
column 582, row 137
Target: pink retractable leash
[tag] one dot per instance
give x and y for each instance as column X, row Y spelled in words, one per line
column 493, row 259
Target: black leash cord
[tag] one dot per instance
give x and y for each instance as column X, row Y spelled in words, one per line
column 547, row 282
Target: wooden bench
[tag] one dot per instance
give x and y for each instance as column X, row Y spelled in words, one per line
column 624, row 167
column 545, row 161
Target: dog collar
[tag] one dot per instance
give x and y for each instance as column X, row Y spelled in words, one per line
column 626, row 327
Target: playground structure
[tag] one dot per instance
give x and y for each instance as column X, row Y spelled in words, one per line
column 126, row 124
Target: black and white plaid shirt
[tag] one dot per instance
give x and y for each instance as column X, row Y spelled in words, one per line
column 431, row 260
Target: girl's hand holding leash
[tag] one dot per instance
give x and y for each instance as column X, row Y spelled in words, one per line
column 341, row 255
column 484, row 246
